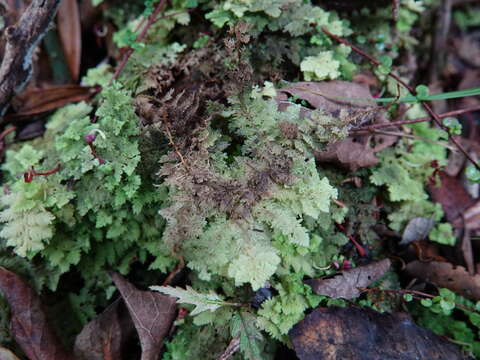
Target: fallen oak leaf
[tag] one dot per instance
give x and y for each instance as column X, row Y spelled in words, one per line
column 354, row 333
column 28, row 324
column 152, row 314
column 346, row 284
column 105, row 337
column 444, row 275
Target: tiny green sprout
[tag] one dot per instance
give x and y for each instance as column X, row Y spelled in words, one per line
column 407, row 297
column 447, row 306
column 201, row 42
column 361, row 39
column 453, row 125
column 472, row 174
column 422, row 92
column 316, row 40
column 426, row 302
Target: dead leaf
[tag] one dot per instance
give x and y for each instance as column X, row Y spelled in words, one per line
column 105, row 336
column 470, row 218
column 452, row 196
column 346, row 284
column 444, row 275
column 354, row 333
column 37, row 101
column 69, row 29
column 6, row 354
column 327, row 95
column 28, row 323
column 417, row 229
column 349, row 153
column 330, row 96
column 152, row 314
column 426, row 251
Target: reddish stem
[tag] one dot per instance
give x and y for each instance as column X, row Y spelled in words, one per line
column 422, row 119
column 361, row 251
column 95, row 155
column 6, row 132
column 28, row 176
column 426, row 106
column 150, row 21
column 46, row 173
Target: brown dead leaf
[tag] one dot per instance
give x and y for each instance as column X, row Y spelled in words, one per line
column 69, row 29
column 28, row 323
column 36, row 101
column 452, row 196
column 444, row 275
column 152, row 314
column 470, row 218
column 330, row 96
column 6, row 354
column 326, row 95
column 355, row 333
column 346, row 284
column 349, row 153
column 104, row 337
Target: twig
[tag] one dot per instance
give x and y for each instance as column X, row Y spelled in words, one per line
column 412, row 91
column 21, row 41
column 177, row 269
column 150, row 21
column 413, row 121
column 409, row 136
column 361, row 251
column 6, row 132
column 417, row 295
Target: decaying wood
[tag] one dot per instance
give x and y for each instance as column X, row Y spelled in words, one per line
column 21, row 41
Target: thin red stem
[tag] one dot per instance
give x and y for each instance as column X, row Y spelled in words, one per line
column 46, row 173
column 361, row 251
column 413, row 121
column 6, row 132
column 426, row 106
column 150, row 21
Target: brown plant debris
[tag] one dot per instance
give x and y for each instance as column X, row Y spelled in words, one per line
column 335, row 98
column 28, row 324
column 21, row 40
column 346, row 284
column 452, row 196
column 105, row 337
column 444, row 275
column 152, row 314
column 364, row 334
